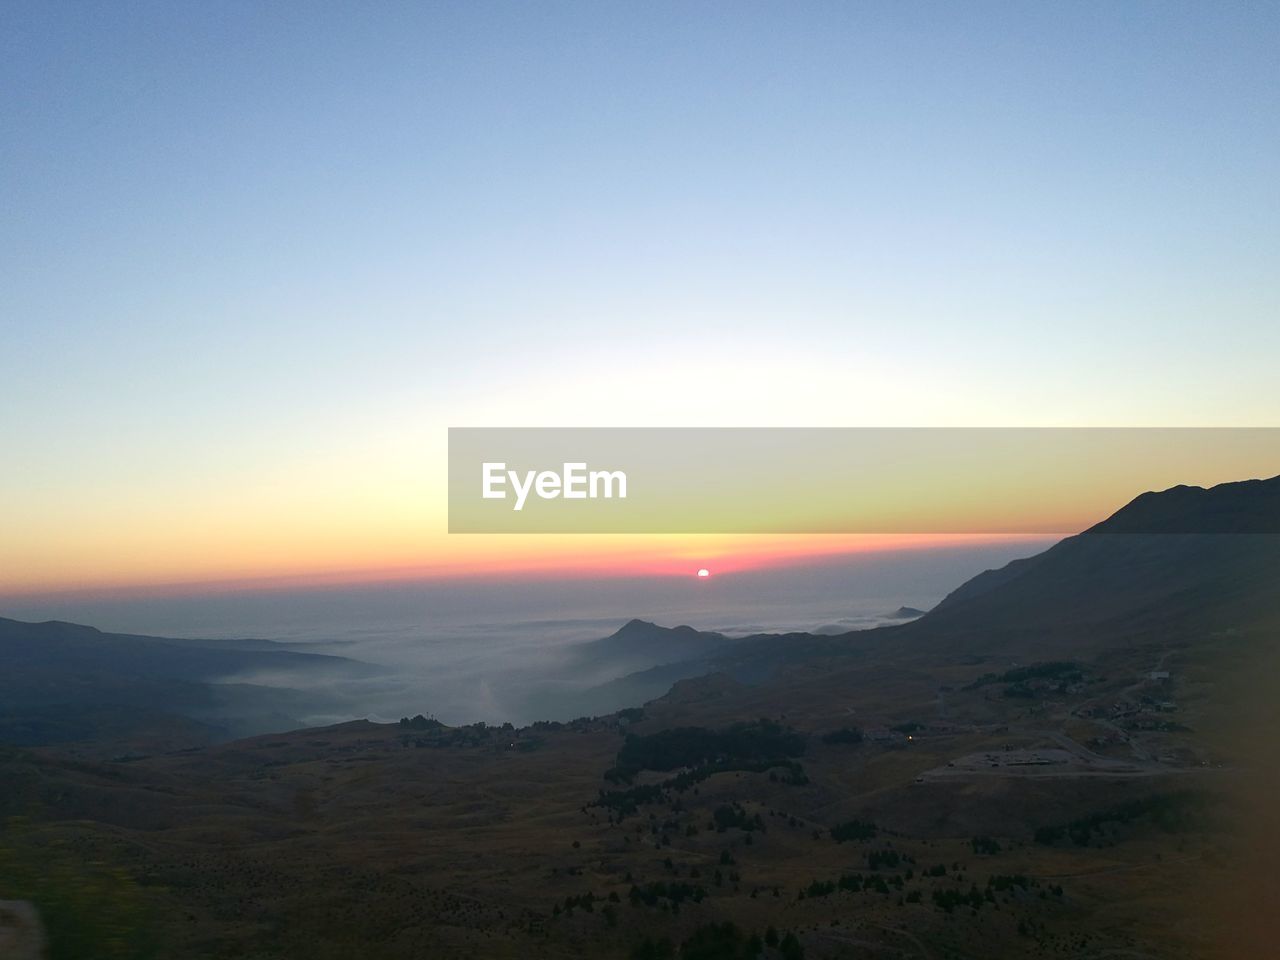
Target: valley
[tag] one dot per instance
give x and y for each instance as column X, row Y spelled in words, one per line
column 1012, row 774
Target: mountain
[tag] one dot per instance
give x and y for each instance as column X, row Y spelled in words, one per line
column 1070, row 757
column 68, row 682
column 1242, row 507
column 75, row 648
column 1181, row 556
column 639, row 644
column 1174, row 560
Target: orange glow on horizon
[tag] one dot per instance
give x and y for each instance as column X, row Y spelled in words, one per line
column 534, row 558
column 376, row 513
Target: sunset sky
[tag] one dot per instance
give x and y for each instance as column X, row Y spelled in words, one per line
column 256, row 259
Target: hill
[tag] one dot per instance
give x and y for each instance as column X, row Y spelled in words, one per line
column 1058, row 761
column 67, row 682
column 639, row 644
column 1179, row 557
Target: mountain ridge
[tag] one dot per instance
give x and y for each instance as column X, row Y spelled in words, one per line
column 1121, row 573
column 64, row 678
column 1041, row 735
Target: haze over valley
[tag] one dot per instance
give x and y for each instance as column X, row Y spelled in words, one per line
column 387, row 651
column 650, row 481
column 988, row 776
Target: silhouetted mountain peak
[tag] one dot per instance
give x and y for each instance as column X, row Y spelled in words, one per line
column 1245, row 506
column 637, row 629
column 639, row 644
column 1171, row 556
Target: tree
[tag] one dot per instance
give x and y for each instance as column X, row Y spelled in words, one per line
column 650, row 949
column 790, row 947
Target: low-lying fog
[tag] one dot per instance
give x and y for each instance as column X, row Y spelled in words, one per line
column 465, row 651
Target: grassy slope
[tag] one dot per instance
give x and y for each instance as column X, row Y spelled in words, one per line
column 357, row 841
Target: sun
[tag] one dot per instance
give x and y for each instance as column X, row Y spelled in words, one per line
column 704, row 572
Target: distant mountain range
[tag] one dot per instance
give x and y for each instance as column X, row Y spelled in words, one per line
column 1181, row 556
column 646, row 644
column 1184, row 555
column 65, row 681
column 1016, row 762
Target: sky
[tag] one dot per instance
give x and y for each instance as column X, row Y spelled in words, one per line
column 255, row 259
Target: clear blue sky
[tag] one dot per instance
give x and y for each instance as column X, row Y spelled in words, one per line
column 239, row 240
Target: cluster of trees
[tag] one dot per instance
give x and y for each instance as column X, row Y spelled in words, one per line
column 627, row 802
column 670, row 895
column 853, row 830
column 945, row 899
column 853, row 883
column 576, row 725
column 472, row 735
column 1170, row 812
column 726, row 816
column 420, row 723
column 694, row 746
column 948, row 900
column 974, row 898
column 721, row 941
column 1064, row 672
column 885, row 859
column 985, row 845
column 584, row 901
column 732, row 751
column 792, row 772
column 674, row 893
